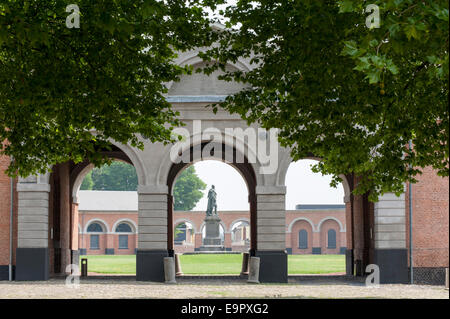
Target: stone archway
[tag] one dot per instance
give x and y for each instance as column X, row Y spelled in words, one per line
column 245, row 169
column 156, row 173
column 51, row 202
column 358, row 220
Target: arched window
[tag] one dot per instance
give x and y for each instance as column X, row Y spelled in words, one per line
column 123, row 228
column 95, row 228
column 303, row 239
column 331, row 238
column 95, row 239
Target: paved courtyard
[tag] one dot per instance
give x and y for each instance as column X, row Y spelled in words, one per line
column 214, row 288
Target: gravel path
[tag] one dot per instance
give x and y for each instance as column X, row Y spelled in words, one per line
column 196, row 288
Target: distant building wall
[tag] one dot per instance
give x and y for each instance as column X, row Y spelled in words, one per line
column 317, row 223
column 108, row 239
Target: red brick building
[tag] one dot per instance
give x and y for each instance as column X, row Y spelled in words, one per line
column 306, row 231
column 108, row 225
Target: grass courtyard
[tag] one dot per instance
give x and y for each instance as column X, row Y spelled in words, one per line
column 218, row 264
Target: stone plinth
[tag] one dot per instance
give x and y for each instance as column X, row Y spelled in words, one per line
column 212, row 240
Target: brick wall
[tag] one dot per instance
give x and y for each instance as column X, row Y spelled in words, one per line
column 430, row 220
column 322, row 221
column 5, row 206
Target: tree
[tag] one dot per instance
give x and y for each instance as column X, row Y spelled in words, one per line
column 350, row 94
column 87, row 183
column 187, row 190
column 65, row 91
column 118, row 176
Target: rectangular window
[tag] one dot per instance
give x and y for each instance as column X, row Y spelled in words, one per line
column 303, row 239
column 95, row 242
column 332, row 239
column 123, row 241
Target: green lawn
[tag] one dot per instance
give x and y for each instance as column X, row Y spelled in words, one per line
column 218, row 264
column 111, row 264
column 315, row 264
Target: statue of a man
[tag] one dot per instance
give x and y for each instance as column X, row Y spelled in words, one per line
column 212, row 205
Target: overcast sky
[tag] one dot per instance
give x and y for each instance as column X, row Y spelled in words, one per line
column 303, row 186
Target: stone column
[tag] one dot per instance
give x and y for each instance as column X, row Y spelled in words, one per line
column 152, row 237
column 271, row 233
column 391, row 253
column 32, row 255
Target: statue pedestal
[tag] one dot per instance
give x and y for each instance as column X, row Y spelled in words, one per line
column 212, row 240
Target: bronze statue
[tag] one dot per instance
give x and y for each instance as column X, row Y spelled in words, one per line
column 212, row 204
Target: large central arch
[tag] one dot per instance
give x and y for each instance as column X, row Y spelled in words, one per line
column 245, row 169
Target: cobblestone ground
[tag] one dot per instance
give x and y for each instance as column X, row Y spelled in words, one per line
column 210, row 288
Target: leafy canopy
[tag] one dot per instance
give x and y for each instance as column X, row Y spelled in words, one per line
column 59, row 84
column 120, row 176
column 187, row 190
column 351, row 95
column 336, row 89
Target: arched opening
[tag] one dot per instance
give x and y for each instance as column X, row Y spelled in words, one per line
column 228, row 178
column 316, row 219
column 184, row 236
column 98, row 222
column 240, row 235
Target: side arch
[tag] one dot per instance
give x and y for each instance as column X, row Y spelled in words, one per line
column 287, row 161
column 234, row 222
column 129, row 156
column 299, row 219
column 96, row 220
column 341, row 227
column 133, row 225
column 185, row 220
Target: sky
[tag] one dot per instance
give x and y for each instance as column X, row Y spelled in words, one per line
column 303, row 186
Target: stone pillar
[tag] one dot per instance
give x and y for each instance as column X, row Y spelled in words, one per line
column 152, row 237
column 271, row 233
column 32, row 255
column 212, row 238
column 391, row 253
